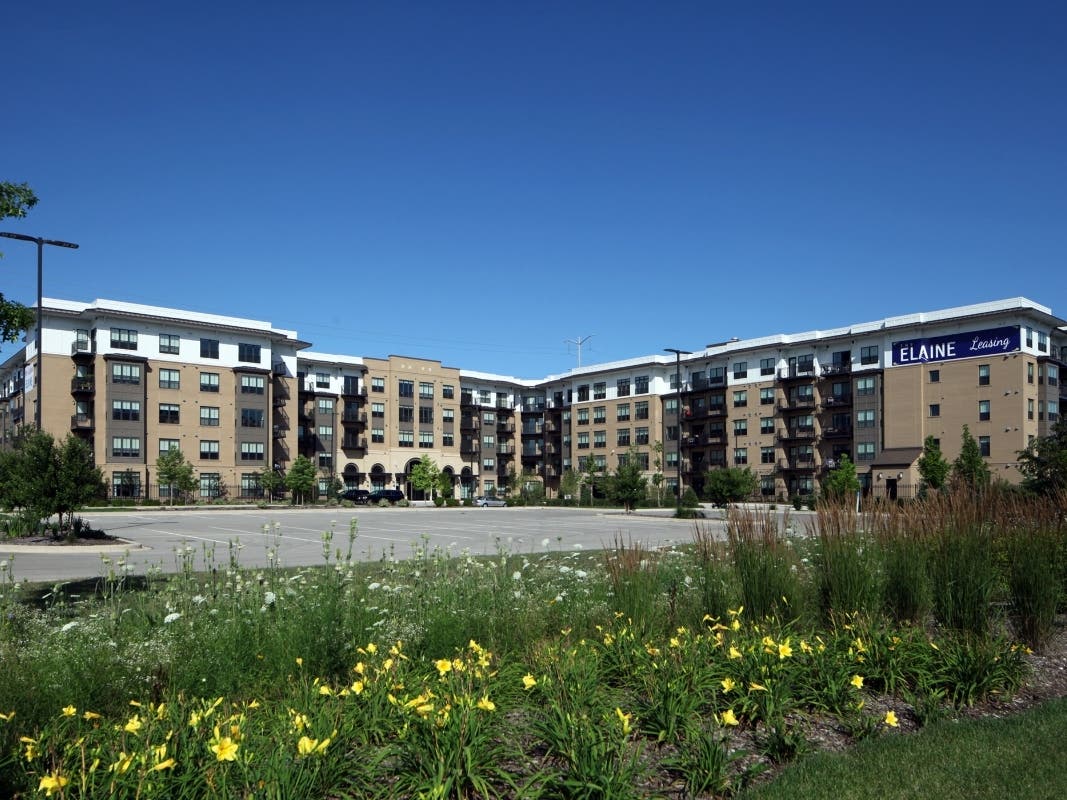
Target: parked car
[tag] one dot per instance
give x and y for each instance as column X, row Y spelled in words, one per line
column 392, row 496
column 485, row 502
column 355, row 495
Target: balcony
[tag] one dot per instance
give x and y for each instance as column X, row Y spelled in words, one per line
column 837, row 401
column 797, row 372
column 466, row 399
column 83, row 348
column 504, row 426
column 280, row 431
column 799, row 432
column 829, row 370
column 354, row 443
column 351, row 418
column 469, row 423
column 470, row 449
column 796, row 404
column 529, row 453
column 82, row 422
column 797, row 464
column 82, row 386
column 839, row 432
column 533, row 430
column 505, row 449
column 352, row 388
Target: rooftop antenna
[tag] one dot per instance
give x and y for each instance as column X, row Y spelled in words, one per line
column 578, row 343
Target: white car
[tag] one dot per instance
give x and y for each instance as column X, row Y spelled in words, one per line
column 485, row 502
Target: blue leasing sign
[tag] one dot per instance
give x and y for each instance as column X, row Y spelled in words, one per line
column 970, row 344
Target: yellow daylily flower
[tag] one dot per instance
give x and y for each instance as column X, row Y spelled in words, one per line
column 784, row 650
column 528, row 681
column 756, row 687
column 857, row 681
column 728, row 718
column 485, row 704
column 225, row 749
column 624, row 718
column 734, row 652
column 728, row 685
column 69, row 711
column 162, row 765
column 891, row 719
column 444, row 666
column 51, row 783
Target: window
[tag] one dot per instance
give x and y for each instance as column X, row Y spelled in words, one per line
column 622, row 412
column 169, row 343
column 210, row 484
column 209, row 348
column 169, row 413
column 325, row 406
column 623, row 438
column 425, row 389
column 489, row 417
column 406, row 414
column 740, row 427
column 865, row 386
column 322, row 380
column 583, row 392
column 600, row 439
column 326, row 431
column 209, row 381
column 583, row 441
column 426, row 415
column 935, row 376
column 170, row 379
column 406, row 388
column 1029, row 336
column 124, row 339
column 485, row 397
column 248, row 353
column 1030, row 372
column 488, row 463
column 406, row 438
column 600, row 390
column 740, row 456
column 251, row 418
column 126, row 484
column 716, row 376
column 448, row 415
column 641, row 384
column 377, row 410
column 622, row 387
column 865, row 451
column 129, row 410
column 209, row 416
column 640, row 436
column 641, row 409
column 252, row 451
column 166, row 445
column 766, row 425
column 1029, row 409
column 865, row 419
column 583, row 416
column 600, row 415
column 126, row 446
column 209, row 450
column 983, row 375
column 766, row 366
column 740, row 399
column 448, row 439
column 983, row 445
column 869, row 354
column 377, row 435
column 740, row 370
column 935, row 409
column 448, row 391
column 126, row 373
column 983, row 410
column 252, row 384
column 250, row 486
column 425, row 438
column 600, row 461
column 1053, row 410
column 766, row 397
column 488, row 440
column 377, row 384
column 766, row 455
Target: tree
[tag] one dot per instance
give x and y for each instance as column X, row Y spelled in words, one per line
column 841, row 483
column 628, row 485
column 271, row 482
column 445, row 485
column 933, row 466
column 730, row 485
column 38, row 469
column 1044, row 461
column 969, row 468
column 174, row 472
column 657, row 475
column 569, row 484
column 78, row 480
column 15, row 201
column 425, row 475
column 301, row 479
column 590, row 473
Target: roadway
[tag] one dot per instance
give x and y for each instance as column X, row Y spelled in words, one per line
column 154, row 539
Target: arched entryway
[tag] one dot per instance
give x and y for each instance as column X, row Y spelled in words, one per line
column 351, row 476
column 379, row 478
column 468, row 483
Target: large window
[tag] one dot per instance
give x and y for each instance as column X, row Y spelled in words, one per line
column 583, row 416
column 406, row 438
column 641, row 409
column 406, row 388
column 166, row 445
column 766, row 397
column 865, row 386
column 377, row 410
column 448, row 391
column 865, row 419
column 622, row 412
column 425, row 415
column 984, row 446
column 740, row 370
column 622, row 387
column 170, row 379
column 600, row 415
column 124, row 338
column 583, row 440
column 983, row 410
column 425, row 438
column 248, row 353
column 766, row 425
column 865, row 451
column 209, row 381
column 766, row 455
column 869, row 354
column 740, row 399
column 623, row 437
column 583, row 392
column 126, row 373
column 129, row 410
column 169, row 413
column 740, row 427
column 600, row 438
column 252, row 451
column 740, row 456
column 209, row 348
column 170, row 343
column 325, row 431
column 209, row 450
column 209, row 416
column 253, row 384
column 324, row 407
column 126, row 446
column 251, row 418
column 377, row 384
column 377, row 435
column 641, row 384
column 425, row 389
column 766, row 366
column 405, row 413
column 600, row 390
column 640, row 436
column 210, row 485
column 983, row 374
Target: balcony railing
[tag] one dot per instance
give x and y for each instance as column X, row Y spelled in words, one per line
column 354, row 443
column 797, row 464
column 82, row 347
column 796, row 404
column 797, row 432
column 837, row 400
column 350, row 418
column 836, row 369
column 838, row 432
column 82, row 385
column 469, row 423
column 797, row 372
column 82, row 422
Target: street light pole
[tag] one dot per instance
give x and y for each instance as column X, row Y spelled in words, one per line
column 678, row 442
column 40, row 309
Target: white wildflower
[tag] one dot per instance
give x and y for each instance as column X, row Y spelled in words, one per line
column 69, row 626
column 172, row 617
column 516, row 576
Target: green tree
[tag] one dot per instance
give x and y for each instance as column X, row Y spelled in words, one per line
column 174, row 472
column 841, row 483
column 78, row 480
column 425, row 475
column 531, row 488
column 730, row 485
column 657, row 474
column 1044, row 461
column 38, row 470
column 628, row 486
column 569, row 484
column 445, row 485
column 301, row 479
column 934, row 468
column 591, row 473
column 271, row 482
column 16, row 199
column 969, row 468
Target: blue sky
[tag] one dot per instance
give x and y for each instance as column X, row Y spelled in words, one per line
column 479, row 182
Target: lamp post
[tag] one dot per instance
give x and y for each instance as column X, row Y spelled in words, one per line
column 678, row 442
column 40, row 308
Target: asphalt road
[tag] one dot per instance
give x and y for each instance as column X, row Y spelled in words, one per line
column 294, row 537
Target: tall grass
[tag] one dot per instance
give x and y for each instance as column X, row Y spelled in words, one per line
column 765, row 563
column 847, row 567
column 907, row 593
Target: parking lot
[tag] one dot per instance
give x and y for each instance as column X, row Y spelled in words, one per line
column 294, row 536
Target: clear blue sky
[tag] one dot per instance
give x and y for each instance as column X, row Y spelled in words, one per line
column 478, row 182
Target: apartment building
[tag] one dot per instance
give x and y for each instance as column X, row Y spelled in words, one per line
column 238, row 396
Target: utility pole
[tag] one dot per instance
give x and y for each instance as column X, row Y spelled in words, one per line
column 578, row 343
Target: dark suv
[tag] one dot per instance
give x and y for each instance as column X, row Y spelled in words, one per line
column 355, row 495
column 392, row 496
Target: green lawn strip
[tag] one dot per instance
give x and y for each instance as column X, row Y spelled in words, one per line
column 1019, row 756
